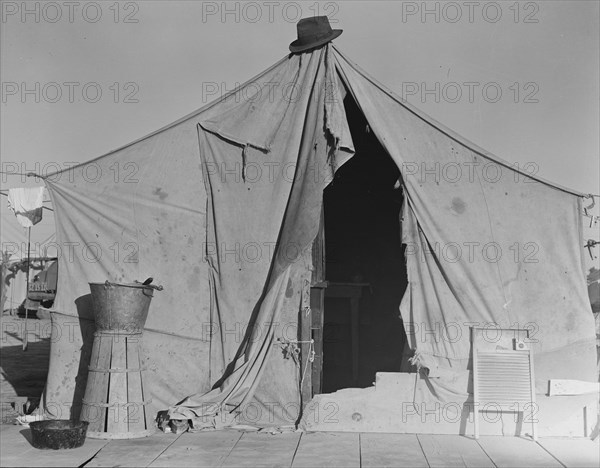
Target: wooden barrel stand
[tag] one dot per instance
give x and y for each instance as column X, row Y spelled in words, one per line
column 115, row 402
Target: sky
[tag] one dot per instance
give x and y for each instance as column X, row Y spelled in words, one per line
column 520, row 79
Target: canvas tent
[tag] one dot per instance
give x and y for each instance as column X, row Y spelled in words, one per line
column 222, row 208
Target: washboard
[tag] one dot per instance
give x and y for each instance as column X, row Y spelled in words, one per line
column 503, row 378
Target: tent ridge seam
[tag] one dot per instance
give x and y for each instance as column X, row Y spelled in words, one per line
column 452, row 134
column 180, row 120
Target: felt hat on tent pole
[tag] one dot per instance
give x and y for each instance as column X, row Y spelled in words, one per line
column 312, row 33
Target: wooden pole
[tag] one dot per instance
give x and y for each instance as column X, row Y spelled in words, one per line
column 25, row 342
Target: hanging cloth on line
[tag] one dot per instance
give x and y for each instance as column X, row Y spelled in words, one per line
column 26, row 204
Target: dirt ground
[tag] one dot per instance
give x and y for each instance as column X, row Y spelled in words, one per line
column 22, row 373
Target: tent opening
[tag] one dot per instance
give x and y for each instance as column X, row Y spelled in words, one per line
column 365, row 265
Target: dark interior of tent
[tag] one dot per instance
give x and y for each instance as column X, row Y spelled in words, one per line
column 364, row 257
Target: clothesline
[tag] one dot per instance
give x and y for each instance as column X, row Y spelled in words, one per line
column 26, row 174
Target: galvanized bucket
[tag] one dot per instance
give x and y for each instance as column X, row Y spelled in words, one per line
column 121, row 307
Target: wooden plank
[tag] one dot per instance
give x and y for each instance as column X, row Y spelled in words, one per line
column 393, row 450
column 305, row 321
column 318, row 252
column 572, row 387
column 532, row 405
column 99, row 390
column 133, row 452
column 58, row 458
column 515, row 451
column 354, row 323
column 13, row 444
column 148, row 418
column 136, row 419
column 452, row 450
column 116, row 421
column 317, row 305
column 91, row 414
column 262, row 450
column 573, row 452
column 329, row 449
column 16, row 450
column 205, row 449
column 3, row 427
column 317, row 297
